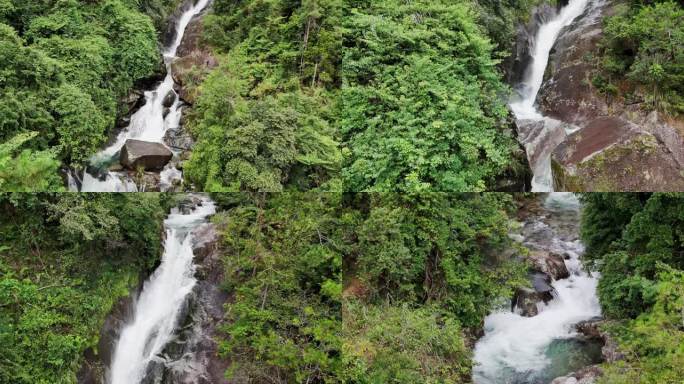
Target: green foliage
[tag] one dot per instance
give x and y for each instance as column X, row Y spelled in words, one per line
column 390, row 344
column 433, row 248
column 636, row 240
column 424, row 104
column 264, row 119
column 605, row 217
column 65, row 260
column 653, row 343
column 644, row 43
column 628, row 235
column 27, row 170
column 420, row 277
column 283, row 259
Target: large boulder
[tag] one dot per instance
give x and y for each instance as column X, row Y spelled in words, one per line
column 526, row 299
column 549, row 263
column 613, row 154
column 137, row 154
column 540, row 137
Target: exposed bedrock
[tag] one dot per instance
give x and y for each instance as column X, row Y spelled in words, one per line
column 618, row 146
column 525, row 300
column 549, row 263
column 518, row 176
column 195, row 61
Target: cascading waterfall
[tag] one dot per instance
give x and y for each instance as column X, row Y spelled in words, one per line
column 519, row 350
column 147, row 124
column 524, row 104
column 156, row 312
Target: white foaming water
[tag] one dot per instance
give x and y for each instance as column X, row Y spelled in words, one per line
column 524, row 105
column 162, row 297
column 148, row 123
column 513, row 349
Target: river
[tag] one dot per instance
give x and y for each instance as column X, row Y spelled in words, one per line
column 516, row 349
column 157, row 309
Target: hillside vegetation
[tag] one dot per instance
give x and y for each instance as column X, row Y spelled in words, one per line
column 643, row 58
column 636, row 242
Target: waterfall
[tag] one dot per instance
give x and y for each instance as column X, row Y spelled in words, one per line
column 147, row 124
column 164, row 294
column 516, row 349
column 524, row 104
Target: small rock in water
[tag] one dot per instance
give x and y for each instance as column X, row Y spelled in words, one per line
column 166, row 112
column 169, row 99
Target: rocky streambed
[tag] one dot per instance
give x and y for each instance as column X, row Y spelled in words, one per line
column 551, row 332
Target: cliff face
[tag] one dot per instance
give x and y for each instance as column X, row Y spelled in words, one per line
column 617, row 146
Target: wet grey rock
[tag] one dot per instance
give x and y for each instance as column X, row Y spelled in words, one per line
column 169, row 99
column 154, row 373
column 169, row 34
column 522, row 50
column 540, row 137
column 133, row 102
column 526, row 300
column 177, row 138
column 549, row 263
column 143, row 154
column 591, row 329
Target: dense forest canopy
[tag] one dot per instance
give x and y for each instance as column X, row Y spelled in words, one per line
column 424, row 101
column 266, row 118
column 636, row 242
column 644, row 45
column 420, row 283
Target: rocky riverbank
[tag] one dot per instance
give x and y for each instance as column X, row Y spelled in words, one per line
column 615, row 145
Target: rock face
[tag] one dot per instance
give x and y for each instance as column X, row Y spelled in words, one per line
column 613, row 154
column 150, row 156
column 521, row 58
column 618, row 147
column 194, row 62
column 192, row 358
column 177, row 138
column 95, row 362
column 539, row 137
